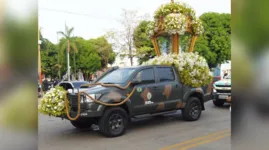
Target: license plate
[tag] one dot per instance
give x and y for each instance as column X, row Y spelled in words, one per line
column 223, row 96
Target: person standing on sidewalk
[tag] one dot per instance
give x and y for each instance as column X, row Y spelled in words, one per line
column 46, row 85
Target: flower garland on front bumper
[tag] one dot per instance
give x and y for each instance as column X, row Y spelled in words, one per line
column 53, row 102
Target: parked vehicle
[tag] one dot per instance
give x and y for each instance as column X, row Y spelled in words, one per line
column 148, row 91
column 222, row 91
column 218, row 72
column 73, row 86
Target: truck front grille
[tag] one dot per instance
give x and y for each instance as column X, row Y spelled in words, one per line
column 73, row 100
column 223, row 86
column 224, row 91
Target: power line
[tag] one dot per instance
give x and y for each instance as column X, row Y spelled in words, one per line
column 81, row 14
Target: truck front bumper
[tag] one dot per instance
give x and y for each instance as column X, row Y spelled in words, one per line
column 86, row 113
column 221, row 97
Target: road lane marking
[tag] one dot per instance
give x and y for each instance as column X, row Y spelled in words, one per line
column 197, row 139
column 205, row 141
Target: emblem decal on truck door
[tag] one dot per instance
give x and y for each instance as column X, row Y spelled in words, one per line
column 139, row 89
column 149, row 95
column 146, row 95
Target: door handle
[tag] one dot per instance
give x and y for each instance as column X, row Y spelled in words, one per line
column 155, row 88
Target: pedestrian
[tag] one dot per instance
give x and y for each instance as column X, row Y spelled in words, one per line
column 80, row 76
column 46, row 85
column 56, row 81
column 225, row 74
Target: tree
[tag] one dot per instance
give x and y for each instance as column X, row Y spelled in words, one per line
column 142, row 43
column 49, row 57
column 123, row 39
column 104, row 50
column 215, row 43
column 69, row 43
column 88, row 59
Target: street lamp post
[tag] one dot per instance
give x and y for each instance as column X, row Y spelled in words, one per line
column 68, row 62
column 59, row 71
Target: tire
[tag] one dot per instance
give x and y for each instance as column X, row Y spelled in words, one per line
column 114, row 122
column 82, row 124
column 218, row 103
column 192, row 110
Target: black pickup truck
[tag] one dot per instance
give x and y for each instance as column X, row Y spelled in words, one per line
column 157, row 90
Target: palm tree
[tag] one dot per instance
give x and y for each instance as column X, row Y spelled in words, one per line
column 69, row 44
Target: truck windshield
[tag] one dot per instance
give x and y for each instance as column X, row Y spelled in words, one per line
column 118, row 76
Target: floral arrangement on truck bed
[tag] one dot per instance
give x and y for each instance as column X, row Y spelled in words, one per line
column 193, row 69
column 175, row 18
column 175, row 23
column 53, row 102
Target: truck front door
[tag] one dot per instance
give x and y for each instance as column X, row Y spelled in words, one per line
column 142, row 99
column 169, row 89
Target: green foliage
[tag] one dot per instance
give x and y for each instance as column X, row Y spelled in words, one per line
column 53, row 102
column 104, row 50
column 87, row 58
column 49, row 58
column 215, row 43
column 143, row 45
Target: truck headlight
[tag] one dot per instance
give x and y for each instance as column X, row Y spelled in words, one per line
column 87, row 99
column 214, row 90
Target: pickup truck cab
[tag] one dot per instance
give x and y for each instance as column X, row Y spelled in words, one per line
column 157, row 90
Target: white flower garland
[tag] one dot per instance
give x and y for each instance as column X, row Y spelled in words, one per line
column 192, row 68
column 197, row 27
column 150, row 29
column 175, row 23
column 176, row 19
column 52, row 102
column 175, row 7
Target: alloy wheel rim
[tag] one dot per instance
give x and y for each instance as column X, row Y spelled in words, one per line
column 195, row 110
column 116, row 123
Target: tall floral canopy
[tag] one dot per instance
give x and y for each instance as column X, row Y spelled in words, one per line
column 175, row 18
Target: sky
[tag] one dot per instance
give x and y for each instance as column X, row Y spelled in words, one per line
column 92, row 19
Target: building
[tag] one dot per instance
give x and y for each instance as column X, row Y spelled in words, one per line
column 125, row 61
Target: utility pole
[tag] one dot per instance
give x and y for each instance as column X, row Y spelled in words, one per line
column 59, row 71
column 68, row 62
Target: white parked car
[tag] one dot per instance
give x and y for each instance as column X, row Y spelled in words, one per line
column 74, row 86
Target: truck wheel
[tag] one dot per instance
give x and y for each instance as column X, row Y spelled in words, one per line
column 218, row 103
column 114, row 122
column 192, row 110
column 81, row 124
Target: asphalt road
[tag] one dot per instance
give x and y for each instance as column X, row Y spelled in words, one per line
column 211, row 132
